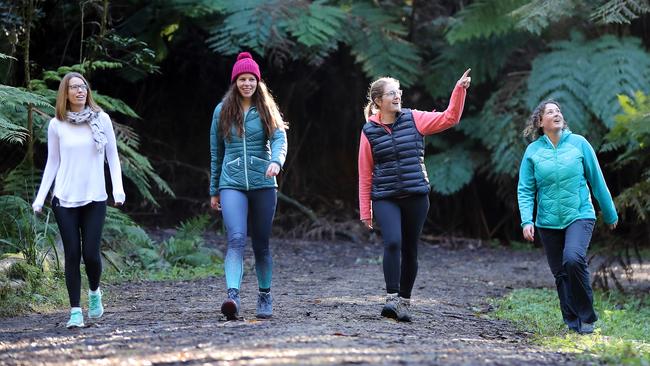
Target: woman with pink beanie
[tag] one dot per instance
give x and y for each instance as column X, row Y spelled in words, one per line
column 248, row 146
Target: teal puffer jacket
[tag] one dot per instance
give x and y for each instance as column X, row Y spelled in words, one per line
column 557, row 177
column 241, row 163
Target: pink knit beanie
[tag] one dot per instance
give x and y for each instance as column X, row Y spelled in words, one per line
column 244, row 64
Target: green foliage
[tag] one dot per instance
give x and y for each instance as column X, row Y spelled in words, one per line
column 631, row 133
column 498, row 127
column 14, row 103
column 186, row 249
column 486, row 57
column 622, row 335
column 376, row 38
column 620, row 11
column 483, row 19
column 299, row 29
column 450, row 170
column 587, row 76
column 538, row 15
column 21, row 231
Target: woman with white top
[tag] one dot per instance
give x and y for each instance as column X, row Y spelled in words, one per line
column 79, row 138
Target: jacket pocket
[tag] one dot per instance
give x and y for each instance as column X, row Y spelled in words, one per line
column 258, row 164
column 234, row 167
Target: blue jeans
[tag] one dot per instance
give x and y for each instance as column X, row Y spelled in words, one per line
column 236, row 206
column 401, row 221
column 566, row 251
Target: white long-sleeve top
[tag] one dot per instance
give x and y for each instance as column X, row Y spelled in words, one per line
column 76, row 167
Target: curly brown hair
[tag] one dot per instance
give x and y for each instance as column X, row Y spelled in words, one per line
column 533, row 130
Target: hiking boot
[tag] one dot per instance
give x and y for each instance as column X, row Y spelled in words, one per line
column 586, row 328
column 95, row 307
column 390, row 308
column 403, row 310
column 264, row 305
column 230, row 307
column 76, row 319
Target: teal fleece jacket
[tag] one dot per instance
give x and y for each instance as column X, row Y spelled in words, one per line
column 241, row 162
column 557, row 177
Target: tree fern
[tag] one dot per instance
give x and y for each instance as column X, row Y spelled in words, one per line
column 486, row 57
column 318, row 25
column 450, row 170
column 562, row 75
column 484, row 18
column 14, row 103
column 537, row 15
column 498, row 127
column 586, row 77
column 617, row 66
column 375, row 38
column 620, row 11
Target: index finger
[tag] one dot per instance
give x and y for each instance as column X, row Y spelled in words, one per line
column 466, row 73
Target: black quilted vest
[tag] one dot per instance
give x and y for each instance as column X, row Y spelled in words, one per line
column 398, row 158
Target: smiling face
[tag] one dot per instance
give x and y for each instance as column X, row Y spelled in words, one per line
column 77, row 93
column 391, row 99
column 552, row 120
column 246, row 85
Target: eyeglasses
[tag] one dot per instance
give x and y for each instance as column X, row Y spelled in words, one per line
column 78, row 87
column 394, row 93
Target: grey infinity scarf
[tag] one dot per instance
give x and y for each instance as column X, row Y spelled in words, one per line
column 91, row 117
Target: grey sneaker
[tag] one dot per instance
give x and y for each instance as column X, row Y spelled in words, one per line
column 403, row 310
column 586, row 328
column 230, row 307
column 264, row 305
column 390, row 308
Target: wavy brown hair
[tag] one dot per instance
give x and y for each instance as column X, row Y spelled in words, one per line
column 375, row 91
column 533, row 130
column 232, row 111
column 63, row 104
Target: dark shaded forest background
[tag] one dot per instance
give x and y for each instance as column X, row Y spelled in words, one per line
column 163, row 66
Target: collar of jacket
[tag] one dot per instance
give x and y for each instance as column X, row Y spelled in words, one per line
column 565, row 134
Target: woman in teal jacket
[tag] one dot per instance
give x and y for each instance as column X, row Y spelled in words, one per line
column 248, row 146
column 554, row 173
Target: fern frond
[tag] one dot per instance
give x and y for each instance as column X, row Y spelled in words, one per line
column 620, row 11
column 387, row 53
column 537, row 15
column 111, row 104
column 486, row 58
column 318, row 25
column 562, row 75
column 22, row 181
column 449, row 171
column 484, row 18
column 139, row 171
column 200, row 8
column 617, row 66
column 11, row 132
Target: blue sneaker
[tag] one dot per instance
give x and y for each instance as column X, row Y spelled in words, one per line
column 95, row 307
column 76, row 319
column 264, row 305
column 230, row 307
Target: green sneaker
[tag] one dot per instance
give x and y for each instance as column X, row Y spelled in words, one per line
column 95, row 307
column 76, row 319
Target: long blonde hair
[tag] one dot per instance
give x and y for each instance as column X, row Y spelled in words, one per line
column 376, row 90
column 63, row 105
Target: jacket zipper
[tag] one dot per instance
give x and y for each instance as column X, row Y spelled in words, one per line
column 245, row 154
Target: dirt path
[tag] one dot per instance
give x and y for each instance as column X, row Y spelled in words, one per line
column 327, row 301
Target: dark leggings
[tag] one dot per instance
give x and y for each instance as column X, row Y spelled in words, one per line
column 79, row 225
column 566, row 251
column 401, row 221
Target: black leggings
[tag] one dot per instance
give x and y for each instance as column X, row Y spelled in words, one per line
column 401, row 221
column 79, row 225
